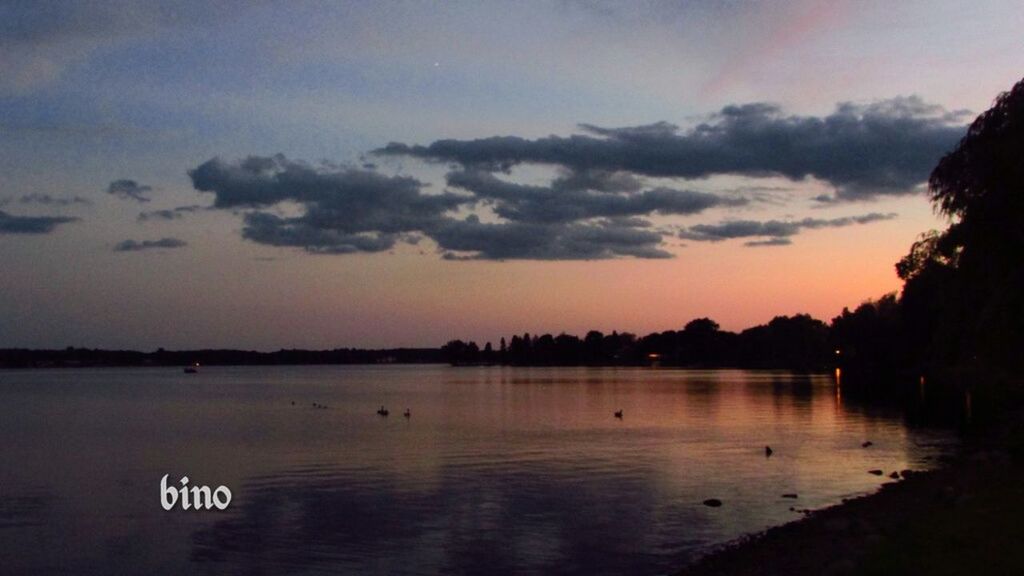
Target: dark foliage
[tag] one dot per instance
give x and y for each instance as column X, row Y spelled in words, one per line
column 963, row 301
column 798, row 342
column 870, row 339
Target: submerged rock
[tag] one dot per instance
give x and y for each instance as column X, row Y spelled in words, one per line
column 713, row 502
column 876, row 472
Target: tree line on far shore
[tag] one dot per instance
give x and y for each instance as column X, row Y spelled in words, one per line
column 72, row 357
column 867, row 338
column 797, row 342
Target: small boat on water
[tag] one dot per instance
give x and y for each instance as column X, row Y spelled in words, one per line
column 193, row 369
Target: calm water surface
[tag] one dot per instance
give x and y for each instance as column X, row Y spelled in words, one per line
column 498, row 471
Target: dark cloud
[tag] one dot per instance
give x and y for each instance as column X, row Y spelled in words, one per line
column 349, row 199
column 10, row 224
column 272, row 230
column 739, row 229
column 846, row 220
column 169, row 214
column 345, row 209
column 47, row 200
column 598, row 181
column 776, row 232
column 136, row 246
column 769, row 242
column 471, row 239
column 348, row 210
column 887, row 147
column 579, row 215
column 557, row 203
column 129, row 190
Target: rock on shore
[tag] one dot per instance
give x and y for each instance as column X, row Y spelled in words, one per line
column 959, row 519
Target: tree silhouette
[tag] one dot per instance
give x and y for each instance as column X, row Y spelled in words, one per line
column 983, row 176
column 701, row 326
column 964, row 293
column 870, row 339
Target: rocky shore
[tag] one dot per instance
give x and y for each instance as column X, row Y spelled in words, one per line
column 961, row 518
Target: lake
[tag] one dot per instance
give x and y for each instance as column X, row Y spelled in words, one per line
column 498, row 470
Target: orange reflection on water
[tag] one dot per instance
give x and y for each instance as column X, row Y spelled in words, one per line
column 839, row 387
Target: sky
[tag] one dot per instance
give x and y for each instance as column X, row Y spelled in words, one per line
column 268, row 175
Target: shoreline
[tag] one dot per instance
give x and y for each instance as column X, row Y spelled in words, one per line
column 958, row 518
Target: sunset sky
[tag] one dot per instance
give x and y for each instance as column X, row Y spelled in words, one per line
column 318, row 175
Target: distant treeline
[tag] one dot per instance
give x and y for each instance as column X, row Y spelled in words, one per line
column 72, row 357
column 796, row 342
column 870, row 339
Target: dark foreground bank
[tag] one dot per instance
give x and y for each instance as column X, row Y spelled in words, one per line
column 962, row 518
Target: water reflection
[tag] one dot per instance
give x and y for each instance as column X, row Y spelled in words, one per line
column 839, row 389
column 498, row 471
column 477, row 520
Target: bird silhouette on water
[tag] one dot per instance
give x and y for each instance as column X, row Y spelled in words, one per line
column 768, row 451
column 619, row 414
column 383, row 411
column 407, row 413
